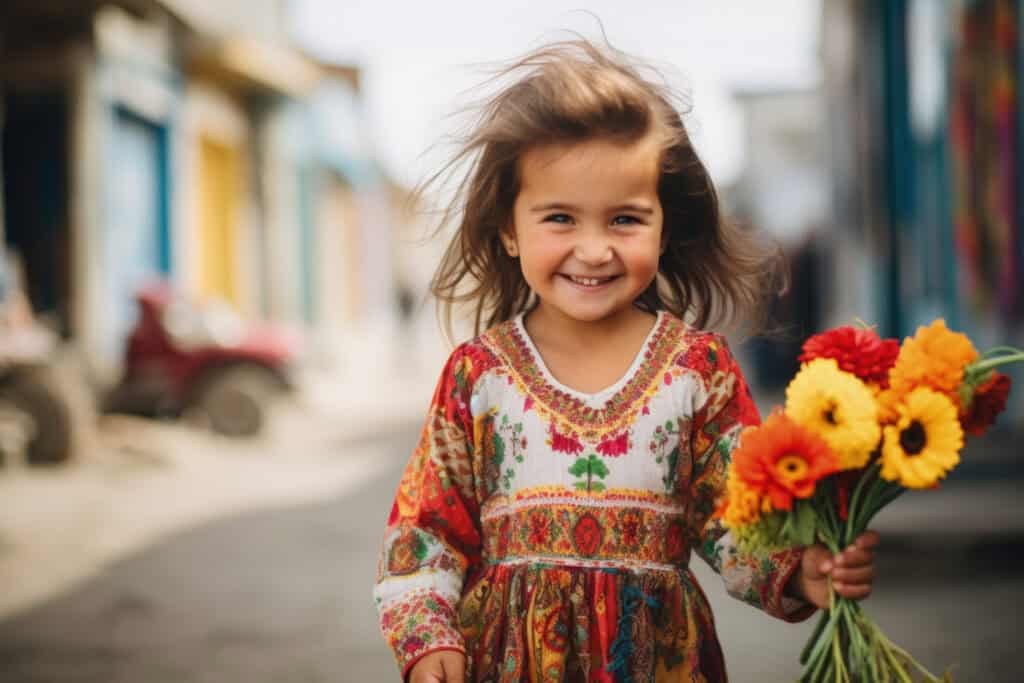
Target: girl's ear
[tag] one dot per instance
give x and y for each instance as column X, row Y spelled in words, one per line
column 508, row 239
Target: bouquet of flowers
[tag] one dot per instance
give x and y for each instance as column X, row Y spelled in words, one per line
column 865, row 419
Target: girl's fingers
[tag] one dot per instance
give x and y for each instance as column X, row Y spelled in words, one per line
column 854, row 557
column 852, row 592
column 853, row 576
column 867, row 540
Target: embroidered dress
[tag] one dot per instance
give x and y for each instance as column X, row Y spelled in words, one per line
column 547, row 533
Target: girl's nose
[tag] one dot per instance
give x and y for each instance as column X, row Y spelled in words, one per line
column 593, row 252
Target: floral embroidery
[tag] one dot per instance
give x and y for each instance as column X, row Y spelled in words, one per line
column 422, row 622
column 563, row 443
column 591, row 466
column 620, row 410
column 538, row 528
column 615, row 446
column 587, row 535
column 542, row 528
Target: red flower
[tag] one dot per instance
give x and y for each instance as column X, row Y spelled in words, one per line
column 989, row 400
column 614, row 447
column 696, row 359
column 587, row 534
column 563, row 443
column 630, row 528
column 540, row 529
column 858, row 351
column 846, row 482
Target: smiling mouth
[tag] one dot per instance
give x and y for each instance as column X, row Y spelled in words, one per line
column 593, row 282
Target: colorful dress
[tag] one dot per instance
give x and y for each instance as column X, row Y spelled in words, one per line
column 547, row 533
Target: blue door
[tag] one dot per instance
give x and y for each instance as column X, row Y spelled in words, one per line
column 135, row 239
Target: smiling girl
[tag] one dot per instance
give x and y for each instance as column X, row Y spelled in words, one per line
column 575, row 449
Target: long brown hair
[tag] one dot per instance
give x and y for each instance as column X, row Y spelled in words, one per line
column 711, row 272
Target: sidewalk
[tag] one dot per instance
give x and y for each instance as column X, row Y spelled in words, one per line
column 145, row 480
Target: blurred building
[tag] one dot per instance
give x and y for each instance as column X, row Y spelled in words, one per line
column 924, row 116
column 191, row 141
column 783, row 190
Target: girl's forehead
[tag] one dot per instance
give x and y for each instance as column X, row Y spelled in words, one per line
column 591, row 164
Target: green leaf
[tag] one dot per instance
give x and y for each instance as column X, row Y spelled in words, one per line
column 597, row 486
column 581, row 486
column 499, row 449
column 668, row 425
column 504, row 419
column 805, row 523
column 579, row 468
column 597, row 467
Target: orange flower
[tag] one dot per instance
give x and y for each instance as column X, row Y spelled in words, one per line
column 781, row 460
column 935, row 357
column 888, row 399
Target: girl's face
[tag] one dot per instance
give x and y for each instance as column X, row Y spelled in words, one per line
column 587, row 225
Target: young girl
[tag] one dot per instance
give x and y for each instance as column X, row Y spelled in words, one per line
column 574, row 451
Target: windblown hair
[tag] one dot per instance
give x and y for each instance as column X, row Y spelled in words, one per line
column 711, row 272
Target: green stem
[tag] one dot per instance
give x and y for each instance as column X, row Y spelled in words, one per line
column 978, row 367
column 865, row 482
column 819, row 656
column 857, row 647
column 1000, row 349
column 815, row 634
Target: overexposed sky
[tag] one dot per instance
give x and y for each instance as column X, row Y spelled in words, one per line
column 418, row 57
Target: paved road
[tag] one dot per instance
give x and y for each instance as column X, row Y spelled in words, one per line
column 282, row 596
column 279, row 596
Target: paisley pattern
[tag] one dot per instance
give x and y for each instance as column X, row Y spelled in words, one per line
column 547, row 533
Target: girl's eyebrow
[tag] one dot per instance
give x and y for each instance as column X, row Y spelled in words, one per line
column 559, row 206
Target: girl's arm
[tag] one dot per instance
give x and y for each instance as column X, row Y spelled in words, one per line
column 724, row 410
column 433, row 535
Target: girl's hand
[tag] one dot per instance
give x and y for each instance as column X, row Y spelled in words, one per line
column 852, row 571
column 443, row 666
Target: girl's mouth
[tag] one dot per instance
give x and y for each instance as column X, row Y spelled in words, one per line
column 590, row 282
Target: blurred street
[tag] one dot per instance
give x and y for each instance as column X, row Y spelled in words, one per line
column 218, row 342
column 281, row 593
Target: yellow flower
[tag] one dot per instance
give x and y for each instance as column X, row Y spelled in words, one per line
column 837, row 406
column 934, row 357
column 925, row 442
column 742, row 504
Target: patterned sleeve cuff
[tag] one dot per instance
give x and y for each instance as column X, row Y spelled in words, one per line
column 418, row 623
column 412, row 662
column 776, row 603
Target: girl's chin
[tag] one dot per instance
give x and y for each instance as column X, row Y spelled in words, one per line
column 588, row 314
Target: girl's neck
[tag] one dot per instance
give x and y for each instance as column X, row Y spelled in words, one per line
column 551, row 328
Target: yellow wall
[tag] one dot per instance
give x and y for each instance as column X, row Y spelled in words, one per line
column 219, row 172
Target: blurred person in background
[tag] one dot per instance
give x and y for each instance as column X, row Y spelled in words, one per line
column 574, row 450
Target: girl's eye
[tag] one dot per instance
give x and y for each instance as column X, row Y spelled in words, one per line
column 559, row 218
column 625, row 220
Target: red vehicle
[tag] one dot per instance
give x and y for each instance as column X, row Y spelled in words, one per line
column 203, row 363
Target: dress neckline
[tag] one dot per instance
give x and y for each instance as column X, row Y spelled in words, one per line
column 634, row 367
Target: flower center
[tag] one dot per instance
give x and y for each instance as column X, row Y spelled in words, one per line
column 791, row 466
column 830, row 413
column 913, row 438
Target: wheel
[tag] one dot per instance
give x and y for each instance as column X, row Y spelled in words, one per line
column 34, row 418
column 233, row 401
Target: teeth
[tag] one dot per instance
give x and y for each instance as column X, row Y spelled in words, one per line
column 588, row 281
